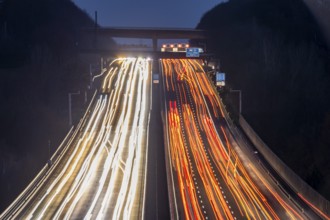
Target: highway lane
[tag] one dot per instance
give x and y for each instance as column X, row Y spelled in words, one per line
column 213, row 178
column 103, row 172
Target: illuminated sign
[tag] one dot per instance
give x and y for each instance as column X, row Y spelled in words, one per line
column 192, row 52
column 155, row 78
column 220, row 79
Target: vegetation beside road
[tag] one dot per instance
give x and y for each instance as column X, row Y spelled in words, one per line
column 275, row 53
column 39, row 66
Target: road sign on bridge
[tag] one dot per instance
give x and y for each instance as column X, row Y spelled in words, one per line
column 192, row 52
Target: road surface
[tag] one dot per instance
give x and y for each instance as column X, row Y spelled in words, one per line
column 102, row 171
column 212, row 177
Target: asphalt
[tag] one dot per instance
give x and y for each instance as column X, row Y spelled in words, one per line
column 157, row 203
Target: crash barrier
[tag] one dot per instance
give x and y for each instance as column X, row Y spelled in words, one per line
column 296, row 183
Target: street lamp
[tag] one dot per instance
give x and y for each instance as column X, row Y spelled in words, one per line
column 90, row 76
column 49, row 157
column 240, row 99
column 69, row 96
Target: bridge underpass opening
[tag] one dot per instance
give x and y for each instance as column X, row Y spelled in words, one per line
column 145, row 44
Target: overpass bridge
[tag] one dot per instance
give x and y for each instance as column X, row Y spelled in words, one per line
column 155, row 34
column 143, row 53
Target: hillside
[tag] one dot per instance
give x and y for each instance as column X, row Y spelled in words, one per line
column 275, row 53
column 50, row 25
column 321, row 10
column 39, row 66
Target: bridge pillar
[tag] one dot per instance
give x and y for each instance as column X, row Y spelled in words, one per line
column 154, row 43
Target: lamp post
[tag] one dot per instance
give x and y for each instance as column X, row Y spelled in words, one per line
column 49, row 149
column 70, row 114
column 49, row 157
column 90, row 77
column 240, row 99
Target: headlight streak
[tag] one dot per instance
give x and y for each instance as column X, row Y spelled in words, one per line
column 74, row 165
column 66, row 166
column 87, row 178
column 142, row 97
column 128, row 165
column 105, row 81
column 112, row 62
column 110, row 154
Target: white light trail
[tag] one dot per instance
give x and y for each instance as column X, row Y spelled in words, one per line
column 103, row 171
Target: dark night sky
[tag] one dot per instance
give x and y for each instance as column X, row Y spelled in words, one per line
column 148, row 13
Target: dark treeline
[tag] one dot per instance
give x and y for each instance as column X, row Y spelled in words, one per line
column 274, row 52
column 39, row 65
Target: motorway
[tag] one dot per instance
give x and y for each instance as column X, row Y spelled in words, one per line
column 211, row 176
column 112, row 165
column 102, row 171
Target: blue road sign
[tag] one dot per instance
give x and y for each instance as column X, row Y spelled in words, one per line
column 192, row 52
column 220, row 79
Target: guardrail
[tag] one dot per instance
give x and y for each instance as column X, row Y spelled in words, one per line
column 309, row 193
column 33, row 186
column 295, row 182
column 36, row 183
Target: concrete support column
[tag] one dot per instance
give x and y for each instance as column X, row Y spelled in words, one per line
column 154, row 44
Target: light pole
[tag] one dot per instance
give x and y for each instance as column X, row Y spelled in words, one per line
column 101, row 63
column 90, row 77
column 70, row 115
column 49, row 149
column 85, row 96
column 50, row 159
column 240, row 99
